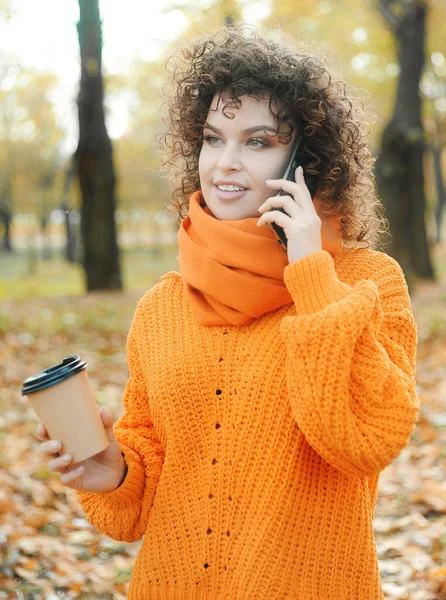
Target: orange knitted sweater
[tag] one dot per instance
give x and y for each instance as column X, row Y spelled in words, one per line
column 254, row 451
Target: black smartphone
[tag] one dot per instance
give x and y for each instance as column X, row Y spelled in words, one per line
column 297, row 158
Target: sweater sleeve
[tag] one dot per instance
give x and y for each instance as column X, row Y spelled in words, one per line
column 122, row 514
column 351, row 355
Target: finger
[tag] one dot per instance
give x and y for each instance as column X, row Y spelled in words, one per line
column 287, row 186
column 60, row 463
column 51, row 447
column 277, row 217
column 41, row 432
column 71, row 476
column 106, row 416
column 299, row 174
column 290, row 205
column 107, row 420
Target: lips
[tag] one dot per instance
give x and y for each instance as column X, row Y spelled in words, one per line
column 222, row 195
column 234, row 183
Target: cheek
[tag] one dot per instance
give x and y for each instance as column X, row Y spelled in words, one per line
column 279, row 167
column 269, row 167
column 203, row 164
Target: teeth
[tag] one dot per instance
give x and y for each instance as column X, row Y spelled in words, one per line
column 229, row 188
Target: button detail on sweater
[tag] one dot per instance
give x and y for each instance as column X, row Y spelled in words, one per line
column 218, row 392
column 206, row 565
column 211, row 496
column 214, row 462
column 217, row 426
column 209, row 531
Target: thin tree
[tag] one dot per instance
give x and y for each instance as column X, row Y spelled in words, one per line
column 5, row 214
column 94, row 161
column 399, row 167
column 437, row 146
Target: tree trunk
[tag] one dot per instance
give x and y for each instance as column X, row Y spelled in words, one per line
column 70, row 238
column 6, row 218
column 94, row 161
column 5, row 211
column 399, row 168
column 440, row 187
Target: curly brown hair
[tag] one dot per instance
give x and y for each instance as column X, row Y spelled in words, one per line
column 237, row 61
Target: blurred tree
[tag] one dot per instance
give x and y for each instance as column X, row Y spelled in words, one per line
column 46, row 185
column 433, row 88
column 6, row 119
column 70, row 243
column 135, row 151
column 230, row 11
column 5, row 11
column 94, row 160
column 29, row 136
column 399, row 168
column 437, row 147
column 5, row 210
column 351, row 35
column 207, row 17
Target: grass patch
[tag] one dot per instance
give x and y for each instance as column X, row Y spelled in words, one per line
column 141, row 269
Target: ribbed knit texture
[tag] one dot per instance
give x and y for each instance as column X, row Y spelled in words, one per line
column 254, row 451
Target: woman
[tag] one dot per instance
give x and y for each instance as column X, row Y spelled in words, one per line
column 268, row 386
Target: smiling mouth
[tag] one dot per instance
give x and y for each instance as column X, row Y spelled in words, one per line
column 233, row 188
column 230, row 194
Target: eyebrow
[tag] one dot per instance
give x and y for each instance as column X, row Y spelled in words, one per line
column 245, row 131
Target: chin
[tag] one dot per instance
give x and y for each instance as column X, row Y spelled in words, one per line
column 229, row 213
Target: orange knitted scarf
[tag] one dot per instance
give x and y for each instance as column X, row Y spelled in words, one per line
column 233, row 270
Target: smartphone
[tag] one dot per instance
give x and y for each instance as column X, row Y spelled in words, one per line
column 297, row 158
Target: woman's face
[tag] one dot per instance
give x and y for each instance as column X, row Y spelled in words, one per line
column 241, row 152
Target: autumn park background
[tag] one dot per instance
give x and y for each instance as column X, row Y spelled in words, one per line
column 65, row 288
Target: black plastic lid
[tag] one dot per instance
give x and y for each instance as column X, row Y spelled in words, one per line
column 71, row 365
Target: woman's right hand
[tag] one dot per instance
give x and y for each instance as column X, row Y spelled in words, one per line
column 102, row 472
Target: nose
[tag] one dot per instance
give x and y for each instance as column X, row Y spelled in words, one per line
column 229, row 159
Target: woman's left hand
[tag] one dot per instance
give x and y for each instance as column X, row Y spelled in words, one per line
column 301, row 224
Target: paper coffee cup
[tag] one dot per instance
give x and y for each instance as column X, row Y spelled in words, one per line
column 63, row 400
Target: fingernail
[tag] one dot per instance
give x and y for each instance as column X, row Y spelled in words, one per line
column 268, row 180
column 54, row 446
column 300, row 169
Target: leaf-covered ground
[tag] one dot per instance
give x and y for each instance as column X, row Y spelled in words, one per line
column 48, row 550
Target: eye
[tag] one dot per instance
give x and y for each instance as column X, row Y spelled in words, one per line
column 259, row 142
column 210, row 139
